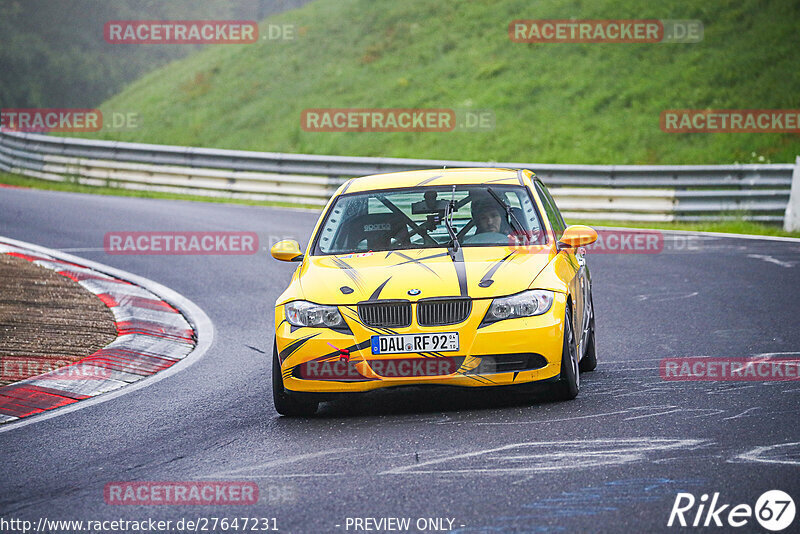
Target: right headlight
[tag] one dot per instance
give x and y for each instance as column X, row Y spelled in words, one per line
column 303, row 313
column 525, row 304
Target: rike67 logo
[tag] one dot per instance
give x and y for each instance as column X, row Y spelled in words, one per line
column 774, row 510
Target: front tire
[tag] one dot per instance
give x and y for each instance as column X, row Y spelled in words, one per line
column 589, row 360
column 286, row 403
column 569, row 381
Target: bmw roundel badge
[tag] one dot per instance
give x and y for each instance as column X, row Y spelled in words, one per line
column 414, row 292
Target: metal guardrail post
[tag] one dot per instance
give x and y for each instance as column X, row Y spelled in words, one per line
column 791, row 221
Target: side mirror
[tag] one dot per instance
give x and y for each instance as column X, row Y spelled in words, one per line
column 286, row 250
column 576, row 236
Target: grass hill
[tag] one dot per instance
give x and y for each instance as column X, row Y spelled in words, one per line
column 553, row 103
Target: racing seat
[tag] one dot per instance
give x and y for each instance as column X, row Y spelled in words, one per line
column 371, row 231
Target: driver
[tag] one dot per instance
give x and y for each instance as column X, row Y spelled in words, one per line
column 487, row 215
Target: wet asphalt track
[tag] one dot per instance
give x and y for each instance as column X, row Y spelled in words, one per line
column 610, row 461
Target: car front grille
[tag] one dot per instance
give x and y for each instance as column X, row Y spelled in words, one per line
column 443, row 311
column 388, row 314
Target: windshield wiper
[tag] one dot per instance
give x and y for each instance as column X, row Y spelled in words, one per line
column 510, row 214
column 453, row 245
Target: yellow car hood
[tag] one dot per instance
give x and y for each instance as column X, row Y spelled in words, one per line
column 478, row 272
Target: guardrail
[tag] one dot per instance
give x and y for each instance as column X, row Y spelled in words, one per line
column 608, row 192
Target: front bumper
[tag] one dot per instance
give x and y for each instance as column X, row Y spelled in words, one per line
column 484, row 351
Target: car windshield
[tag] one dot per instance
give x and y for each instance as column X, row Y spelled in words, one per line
column 418, row 218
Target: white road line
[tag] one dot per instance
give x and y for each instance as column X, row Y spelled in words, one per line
column 550, row 456
column 664, row 297
column 741, row 414
column 287, row 475
column 725, row 391
column 655, row 414
column 758, row 455
column 770, row 259
column 577, row 417
column 278, row 462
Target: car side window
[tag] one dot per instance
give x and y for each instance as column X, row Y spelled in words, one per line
column 550, row 208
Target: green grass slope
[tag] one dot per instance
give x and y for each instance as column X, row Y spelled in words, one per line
column 554, row 103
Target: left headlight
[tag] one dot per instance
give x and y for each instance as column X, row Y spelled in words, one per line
column 525, row 304
column 302, row 313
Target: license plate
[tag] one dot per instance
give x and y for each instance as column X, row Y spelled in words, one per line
column 400, row 343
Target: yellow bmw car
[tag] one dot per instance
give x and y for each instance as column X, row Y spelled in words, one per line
column 460, row 277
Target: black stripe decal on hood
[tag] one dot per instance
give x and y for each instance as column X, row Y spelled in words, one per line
column 292, row 347
column 429, row 180
column 486, row 281
column 376, row 294
column 418, row 261
column 349, row 271
column 461, row 271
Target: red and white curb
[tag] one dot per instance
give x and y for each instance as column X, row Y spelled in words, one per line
column 156, row 330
